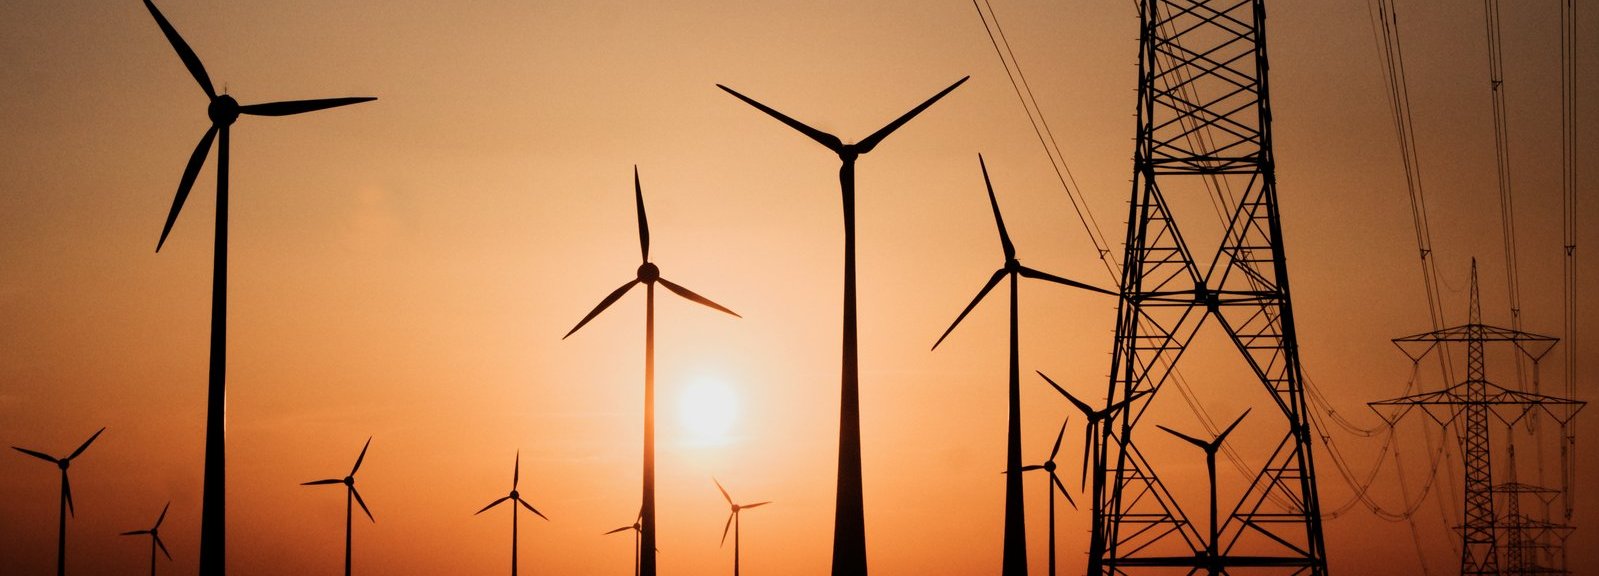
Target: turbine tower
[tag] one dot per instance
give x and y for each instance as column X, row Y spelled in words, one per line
column 1476, row 398
column 1204, row 129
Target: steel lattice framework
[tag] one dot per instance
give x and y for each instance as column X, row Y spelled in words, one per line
column 1204, row 127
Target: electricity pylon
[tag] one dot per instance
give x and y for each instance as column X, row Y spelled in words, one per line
column 1476, row 398
column 1204, row 128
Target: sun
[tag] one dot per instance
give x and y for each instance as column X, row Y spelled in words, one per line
column 707, row 409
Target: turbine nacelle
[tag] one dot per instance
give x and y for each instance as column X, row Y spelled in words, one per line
column 223, row 110
column 648, row 273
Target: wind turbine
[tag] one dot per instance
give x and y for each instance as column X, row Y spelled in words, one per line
column 223, row 110
column 649, row 275
column 516, row 498
column 349, row 493
column 155, row 537
column 849, row 520
column 1015, row 555
column 733, row 521
column 66, row 496
column 1210, row 449
column 1054, row 486
column 1091, row 433
column 634, row 527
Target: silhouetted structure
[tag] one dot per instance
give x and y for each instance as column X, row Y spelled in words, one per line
column 649, row 275
column 1476, row 398
column 636, row 529
column 515, row 498
column 733, row 522
column 223, row 111
column 349, row 493
column 155, row 537
column 849, row 520
column 1093, row 455
column 66, row 496
column 1204, row 129
column 1212, row 561
column 1015, row 554
column 1052, row 486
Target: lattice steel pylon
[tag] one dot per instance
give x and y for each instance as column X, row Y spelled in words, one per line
column 1204, row 128
column 1481, row 550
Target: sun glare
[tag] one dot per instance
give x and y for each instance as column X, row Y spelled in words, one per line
column 707, row 410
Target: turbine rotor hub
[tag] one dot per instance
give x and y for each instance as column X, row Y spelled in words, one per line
column 1049, row 466
column 735, row 507
column 224, row 110
column 349, row 480
column 648, row 273
column 514, row 495
column 63, row 464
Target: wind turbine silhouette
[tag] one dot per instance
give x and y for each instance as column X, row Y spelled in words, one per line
column 223, row 110
column 849, row 520
column 1054, row 486
column 733, row 521
column 349, row 492
column 66, row 495
column 649, row 275
column 1091, row 434
column 155, row 537
column 635, row 528
column 516, row 498
column 1015, row 554
column 1210, row 448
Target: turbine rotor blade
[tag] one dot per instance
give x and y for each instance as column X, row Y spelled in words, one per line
column 530, row 508
column 1028, row 468
column 66, row 493
column 992, row 282
column 690, row 295
column 161, row 545
column 1058, row 436
column 877, row 137
column 1088, row 447
column 1191, row 440
column 135, row 532
column 1081, row 406
column 727, row 526
column 1062, row 487
column 724, row 491
column 491, row 505
column 190, row 172
column 643, row 221
column 606, row 303
column 321, row 482
column 85, row 444
column 185, row 53
column 358, row 500
column 39, row 455
column 358, row 459
column 622, row 529
column 516, row 475
column 1037, row 275
column 292, row 107
column 830, row 141
column 163, row 516
column 1004, row 237
column 1223, row 436
column 747, row 506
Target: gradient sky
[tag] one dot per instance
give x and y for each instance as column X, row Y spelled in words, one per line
column 405, row 269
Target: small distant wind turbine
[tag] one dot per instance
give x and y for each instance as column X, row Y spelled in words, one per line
column 516, row 498
column 649, row 275
column 66, row 496
column 1210, row 449
column 1054, row 486
column 1092, row 435
column 733, row 521
column 1015, row 551
column 849, row 528
column 223, row 110
column 155, row 537
column 349, row 493
column 634, row 527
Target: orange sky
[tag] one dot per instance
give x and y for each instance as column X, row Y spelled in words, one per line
column 405, row 269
